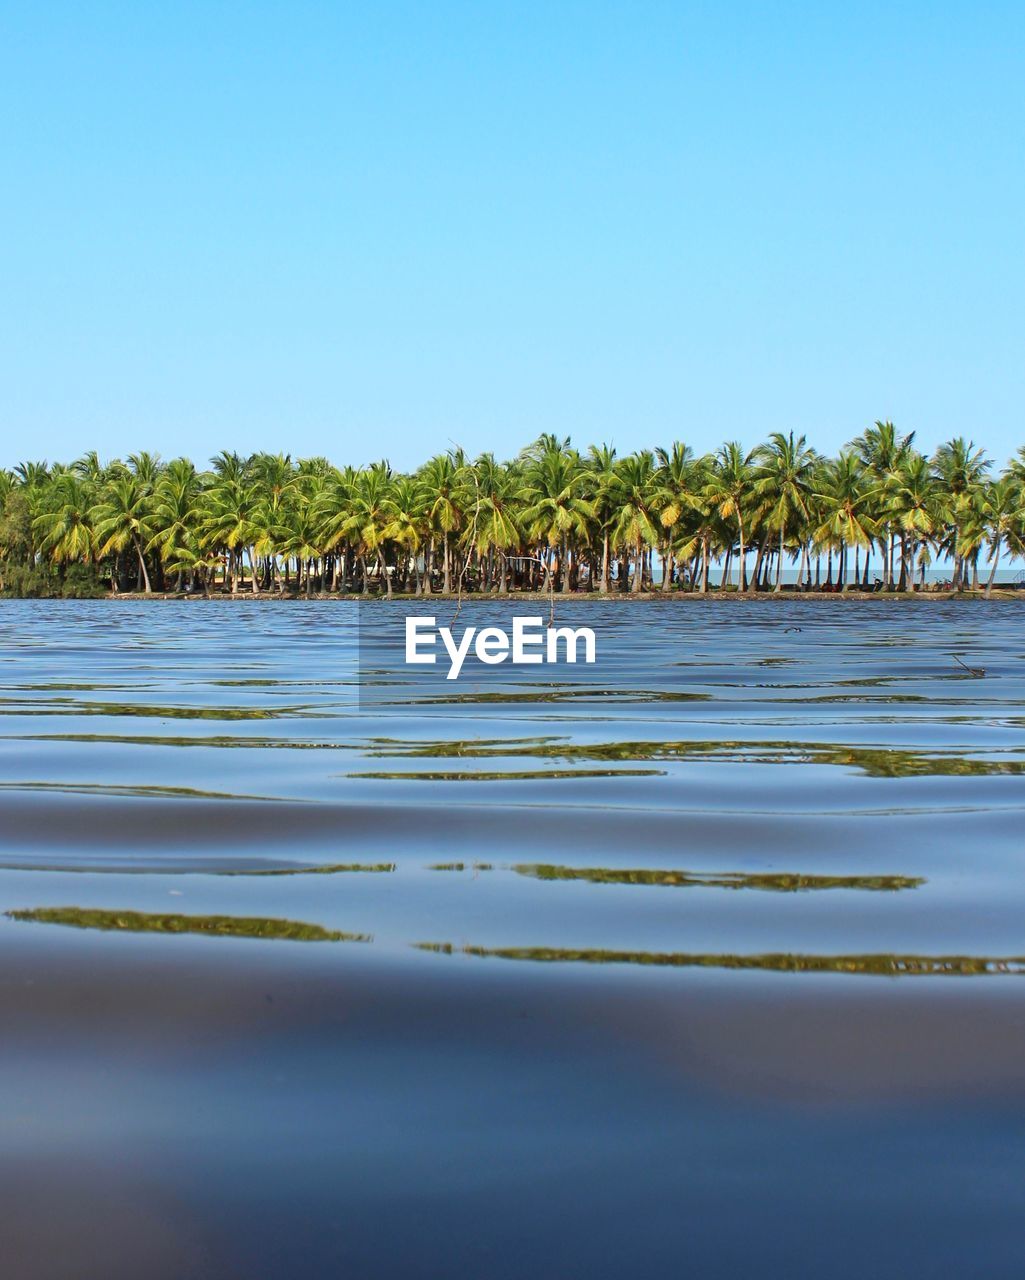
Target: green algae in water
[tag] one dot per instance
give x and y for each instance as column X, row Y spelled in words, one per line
column 210, row 926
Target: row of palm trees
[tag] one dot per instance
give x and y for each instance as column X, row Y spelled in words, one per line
column 551, row 519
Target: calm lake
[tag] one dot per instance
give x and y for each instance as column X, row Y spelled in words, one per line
column 708, row 960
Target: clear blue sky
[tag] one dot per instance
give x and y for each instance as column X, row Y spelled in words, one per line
column 379, row 228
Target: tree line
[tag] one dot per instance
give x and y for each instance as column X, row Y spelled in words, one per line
column 553, row 518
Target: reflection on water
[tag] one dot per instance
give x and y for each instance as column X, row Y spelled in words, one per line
column 115, row 789
column 328, row 869
column 877, row 762
column 215, row 926
column 504, row 775
column 693, row 1080
column 541, row 695
column 120, row 710
column 776, row 883
column 889, row 966
column 461, row 866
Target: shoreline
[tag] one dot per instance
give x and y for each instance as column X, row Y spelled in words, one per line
column 625, row 598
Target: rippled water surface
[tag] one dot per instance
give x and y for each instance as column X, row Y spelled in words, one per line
column 706, row 960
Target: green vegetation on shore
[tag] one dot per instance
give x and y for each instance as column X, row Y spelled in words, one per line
column 551, row 519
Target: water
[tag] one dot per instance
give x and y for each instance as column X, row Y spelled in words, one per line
column 706, row 960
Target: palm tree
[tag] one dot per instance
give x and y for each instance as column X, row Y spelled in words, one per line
column 123, row 519
column 783, row 484
column 444, row 479
column 497, row 514
column 145, row 467
column 230, row 525
column 843, row 504
column 32, row 475
column 571, row 518
column 370, row 516
column 728, row 491
column 1003, row 511
column 407, row 525
column 89, row 467
column 679, row 484
column 556, row 512
column 176, row 517
column 961, row 470
column 301, row 533
column 276, row 481
column 882, row 450
column 601, row 467
column 636, row 523
column 17, row 539
column 912, row 506
column 63, row 524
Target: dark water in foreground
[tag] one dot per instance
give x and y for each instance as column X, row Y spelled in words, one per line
column 709, row 961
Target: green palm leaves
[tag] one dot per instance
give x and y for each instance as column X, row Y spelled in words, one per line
column 549, row 518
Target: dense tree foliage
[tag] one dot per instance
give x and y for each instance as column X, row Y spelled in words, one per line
column 552, row 518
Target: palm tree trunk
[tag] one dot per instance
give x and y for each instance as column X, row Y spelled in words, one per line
column 447, row 566
column 667, row 570
column 756, row 575
column 142, row 567
column 565, row 567
column 638, row 581
column 993, row 570
column 779, row 563
column 605, row 563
